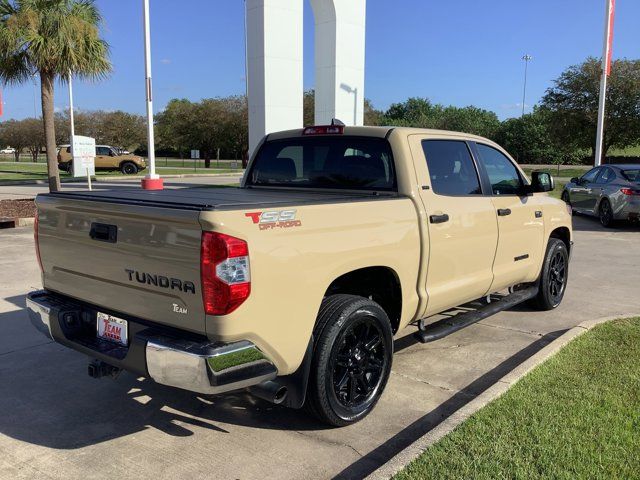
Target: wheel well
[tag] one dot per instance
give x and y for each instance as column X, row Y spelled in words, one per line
column 562, row 233
column 380, row 284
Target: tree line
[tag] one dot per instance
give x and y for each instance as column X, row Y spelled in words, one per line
column 561, row 129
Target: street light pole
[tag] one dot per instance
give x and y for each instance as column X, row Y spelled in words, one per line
column 610, row 6
column 527, row 59
column 72, row 128
column 151, row 181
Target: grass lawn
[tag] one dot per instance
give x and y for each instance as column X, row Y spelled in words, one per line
column 564, row 172
column 575, row 416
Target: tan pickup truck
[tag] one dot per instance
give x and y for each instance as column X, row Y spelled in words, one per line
column 293, row 285
column 107, row 158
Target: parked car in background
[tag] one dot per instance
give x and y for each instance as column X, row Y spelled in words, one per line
column 610, row 192
column 8, row 151
column 107, row 158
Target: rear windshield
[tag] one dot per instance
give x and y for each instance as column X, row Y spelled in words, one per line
column 337, row 162
column 632, row 175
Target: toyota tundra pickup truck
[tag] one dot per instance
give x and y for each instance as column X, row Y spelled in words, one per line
column 293, row 285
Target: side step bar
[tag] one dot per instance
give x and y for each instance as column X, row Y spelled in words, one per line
column 447, row 326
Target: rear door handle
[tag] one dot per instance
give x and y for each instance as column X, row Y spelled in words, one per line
column 503, row 212
column 439, row 218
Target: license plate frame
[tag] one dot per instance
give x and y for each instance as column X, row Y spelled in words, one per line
column 112, row 329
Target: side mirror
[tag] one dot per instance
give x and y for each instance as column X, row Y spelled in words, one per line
column 575, row 180
column 542, row 182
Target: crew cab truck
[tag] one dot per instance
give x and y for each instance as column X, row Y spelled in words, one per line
column 293, row 285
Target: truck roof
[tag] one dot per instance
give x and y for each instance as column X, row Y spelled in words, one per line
column 382, row 132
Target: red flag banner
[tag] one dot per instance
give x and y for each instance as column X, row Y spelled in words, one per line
column 609, row 51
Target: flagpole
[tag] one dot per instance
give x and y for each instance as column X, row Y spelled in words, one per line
column 151, row 181
column 606, row 69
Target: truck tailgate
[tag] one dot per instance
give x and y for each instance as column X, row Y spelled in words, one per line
column 141, row 260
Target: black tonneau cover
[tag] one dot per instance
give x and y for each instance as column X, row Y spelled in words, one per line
column 220, row 198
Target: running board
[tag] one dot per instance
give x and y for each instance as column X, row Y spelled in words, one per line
column 447, row 326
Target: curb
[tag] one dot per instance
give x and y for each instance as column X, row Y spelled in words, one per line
column 16, row 222
column 413, row 451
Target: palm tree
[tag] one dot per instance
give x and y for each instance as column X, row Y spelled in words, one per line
column 54, row 39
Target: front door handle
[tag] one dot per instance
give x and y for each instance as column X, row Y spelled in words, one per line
column 439, row 218
column 503, row 212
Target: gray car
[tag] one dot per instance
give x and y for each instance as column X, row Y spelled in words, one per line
column 610, row 192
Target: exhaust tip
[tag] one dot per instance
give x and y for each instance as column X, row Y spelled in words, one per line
column 280, row 395
column 270, row 391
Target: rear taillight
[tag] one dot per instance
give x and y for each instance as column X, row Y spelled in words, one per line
column 630, row 191
column 36, row 240
column 225, row 274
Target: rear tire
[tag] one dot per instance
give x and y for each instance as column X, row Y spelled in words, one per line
column 552, row 283
column 351, row 360
column 129, row 168
column 605, row 213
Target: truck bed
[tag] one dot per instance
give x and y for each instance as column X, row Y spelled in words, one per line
column 219, row 198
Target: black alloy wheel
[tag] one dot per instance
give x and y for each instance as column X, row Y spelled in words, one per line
column 357, row 364
column 351, row 362
column 605, row 213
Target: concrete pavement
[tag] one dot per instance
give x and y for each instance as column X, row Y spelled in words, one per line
column 59, row 423
column 9, row 192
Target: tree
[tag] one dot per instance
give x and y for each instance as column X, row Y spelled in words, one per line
column 15, row 135
column 573, row 105
column 54, row 38
column 420, row 112
column 529, row 140
column 34, row 135
column 175, row 126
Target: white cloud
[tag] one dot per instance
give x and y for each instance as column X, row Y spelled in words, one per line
column 165, row 61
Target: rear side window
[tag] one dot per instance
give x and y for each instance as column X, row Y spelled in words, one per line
column 606, row 176
column 336, row 162
column 632, row 175
column 451, row 168
column 503, row 174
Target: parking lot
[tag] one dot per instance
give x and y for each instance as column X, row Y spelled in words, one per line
column 58, row 422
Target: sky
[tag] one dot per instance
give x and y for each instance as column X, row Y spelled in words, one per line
column 458, row 52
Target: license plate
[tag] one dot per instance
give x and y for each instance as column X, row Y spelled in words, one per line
column 113, row 329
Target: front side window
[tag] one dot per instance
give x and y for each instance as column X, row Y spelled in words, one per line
column 451, row 168
column 336, row 162
column 503, row 174
column 590, row 176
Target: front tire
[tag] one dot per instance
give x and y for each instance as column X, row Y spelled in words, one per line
column 565, row 198
column 129, row 168
column 351, row 361
column 553, row 278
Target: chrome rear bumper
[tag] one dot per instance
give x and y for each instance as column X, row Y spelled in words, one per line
column 211, row 368
column 199, row 366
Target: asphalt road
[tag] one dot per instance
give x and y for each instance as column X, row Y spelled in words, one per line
column 12, row 192
column 57, row 422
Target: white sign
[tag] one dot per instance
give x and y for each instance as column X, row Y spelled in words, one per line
column 195, row 154
column 84, row 156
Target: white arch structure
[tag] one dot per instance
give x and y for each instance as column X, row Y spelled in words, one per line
column 275, row 63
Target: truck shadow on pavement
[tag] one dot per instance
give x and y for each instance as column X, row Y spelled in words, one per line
column 53, row 403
